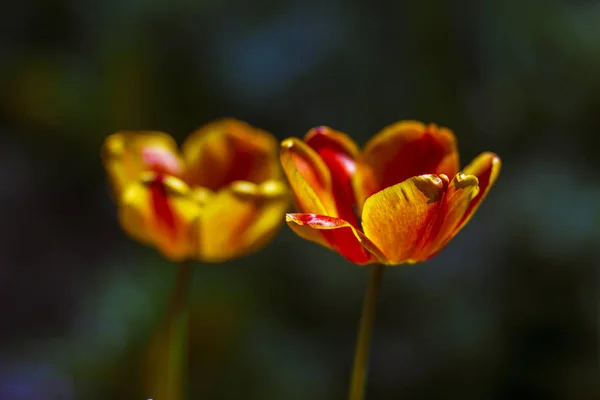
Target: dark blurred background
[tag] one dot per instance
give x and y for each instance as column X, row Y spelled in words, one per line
column 508, row 310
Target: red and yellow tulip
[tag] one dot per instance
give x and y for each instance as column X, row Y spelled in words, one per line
column 399, row 200
column 220, row 197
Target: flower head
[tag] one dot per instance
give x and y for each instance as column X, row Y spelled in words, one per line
column 400, row 200
column 218, row 198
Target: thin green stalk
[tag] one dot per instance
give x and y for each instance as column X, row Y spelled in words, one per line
column 361, row 354
column 168, row 361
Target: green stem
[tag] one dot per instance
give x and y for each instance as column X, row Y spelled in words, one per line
column 168, row 353
column 361, row 354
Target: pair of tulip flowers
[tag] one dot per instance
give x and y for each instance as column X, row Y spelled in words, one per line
column 222, row 195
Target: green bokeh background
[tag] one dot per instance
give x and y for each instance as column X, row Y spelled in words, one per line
column 508, row 310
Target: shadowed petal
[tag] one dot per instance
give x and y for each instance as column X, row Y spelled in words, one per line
column 241, row 219
column 159, row 211
column 486, row 167
column 398, row 217
column 229, row 150
column 338, row 152
column 325, row 137
column 335, row 234
column 126, row 155
column 401, row 151
column 309, row 177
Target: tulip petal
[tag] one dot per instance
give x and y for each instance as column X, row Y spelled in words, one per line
column 325, row 137
column 159, row 211
column 308, row 176
column 229, row 150
column 338, row 152
column 241, row 219
column 486, row 167
column 401, row 151
column 398, row 217
column 336, row 234
column 126, row 155
column 456, row 200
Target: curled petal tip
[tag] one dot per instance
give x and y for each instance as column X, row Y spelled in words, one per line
column 433, row 128
column 431, row 185
column 173, row 185
column 274, row 188
column 114, row 144
column 496, row 159
column 202, row 196
column 445, row 180
column 289, row 217
column 463, row 181
column 271, row 188
column 287, row 143
column 300, row 218
column 244, row 188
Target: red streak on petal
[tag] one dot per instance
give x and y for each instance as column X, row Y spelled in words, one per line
column 347, row 244
column 162, row 211
column 342, row 168
column 433, row 224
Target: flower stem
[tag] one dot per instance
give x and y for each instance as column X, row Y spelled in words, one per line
column 168, row 350
column 361, row 354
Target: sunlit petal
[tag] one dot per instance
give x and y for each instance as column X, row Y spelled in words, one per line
column 398, row 217
column 456, row 199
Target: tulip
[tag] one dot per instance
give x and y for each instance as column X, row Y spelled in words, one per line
column 398, row 201
column 220, row 197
